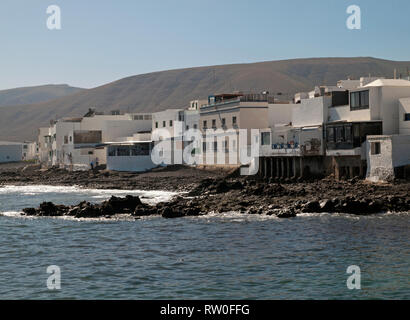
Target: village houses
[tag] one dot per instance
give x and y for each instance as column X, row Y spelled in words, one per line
column 356, row 128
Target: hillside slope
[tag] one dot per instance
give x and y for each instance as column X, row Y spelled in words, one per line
column 38, row 94
column 175, row 88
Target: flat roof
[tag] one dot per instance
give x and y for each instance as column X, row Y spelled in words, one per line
column 388, row 83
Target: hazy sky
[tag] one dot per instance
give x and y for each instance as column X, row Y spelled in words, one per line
column 105, row 40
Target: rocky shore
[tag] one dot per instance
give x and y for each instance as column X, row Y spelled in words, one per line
column 249, row 195
column 173, row 178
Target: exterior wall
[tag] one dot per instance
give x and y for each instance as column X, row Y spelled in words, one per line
column 404, row 107
column 129, row 162
column 401, row 150
column 60, row 130
column 394, row 153
column 114, row 127
column 167, row 116
column 384, row 105
column 380, row 167
column 10, row 152
column 280, row 114
column 311, row 112
column 253, row 116
column 30, row 151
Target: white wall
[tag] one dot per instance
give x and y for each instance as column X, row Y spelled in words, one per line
column 130, row 164
column 311, row 112
column 389, row 107
column 404, row 107
column 395, row 152
column 401, row 150
column 11, row 152
column 280, row 114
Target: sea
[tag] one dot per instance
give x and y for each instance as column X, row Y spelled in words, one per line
column 215, row 256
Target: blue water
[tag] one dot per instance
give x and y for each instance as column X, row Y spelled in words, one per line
column 230, row 256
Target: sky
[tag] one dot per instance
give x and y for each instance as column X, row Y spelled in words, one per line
column 101, row 41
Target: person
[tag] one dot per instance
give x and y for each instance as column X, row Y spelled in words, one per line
column 92, row 165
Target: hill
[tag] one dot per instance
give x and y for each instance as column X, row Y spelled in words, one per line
column 175, row 88
column 38, row 94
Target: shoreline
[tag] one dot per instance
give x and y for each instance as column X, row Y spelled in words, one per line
column 214, row 191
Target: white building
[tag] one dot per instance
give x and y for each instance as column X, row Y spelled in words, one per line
column 11, row 152
column 77, row 143
column 131, row 155
column 335, row 124
column 169, row 128
column 388, row 157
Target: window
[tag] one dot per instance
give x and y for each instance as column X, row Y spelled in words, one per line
column 330, row 134
column 141, row 149
column 205, row 124
column 187, row 128
column 204, row 146
column 348, row 134
column 215, row 146
column 265, row 138
column 234, row 123
column 223, row 122
column 359, row 100
column 226, row 148
column 156, row 124
column 123, row 151
column 213, row 123
column 407, row 117
column 164, row 124
column 375, row 148
column 170, row 123
column 195, row 126
column 339, row 134
column 147, row 117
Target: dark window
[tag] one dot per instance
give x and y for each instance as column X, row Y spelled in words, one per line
column 359, row 100
column 214, row 123
column 141, row 149
column 204, row 146
column 340, row 98
column 348, row 134
column 223, row 122
column 156, row 124
column 164, row 124
column 331, row 134
column 234, row 121
column 215, row 146
column 205, row 124
column 376, row 148
column 195, row 126
column 339, row 134
column 123, row 151
column 170, row 123
column 407, row 117
column 187, row 128
column 265, row 138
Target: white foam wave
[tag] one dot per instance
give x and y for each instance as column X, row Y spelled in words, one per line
column 150, row 197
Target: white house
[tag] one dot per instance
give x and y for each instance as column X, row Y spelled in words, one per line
column 77, row 143
column 133, row 154
column 11, row 151
column 388, row 157
column 169, row 127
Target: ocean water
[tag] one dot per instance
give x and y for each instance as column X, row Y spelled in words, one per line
column 228, row 256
